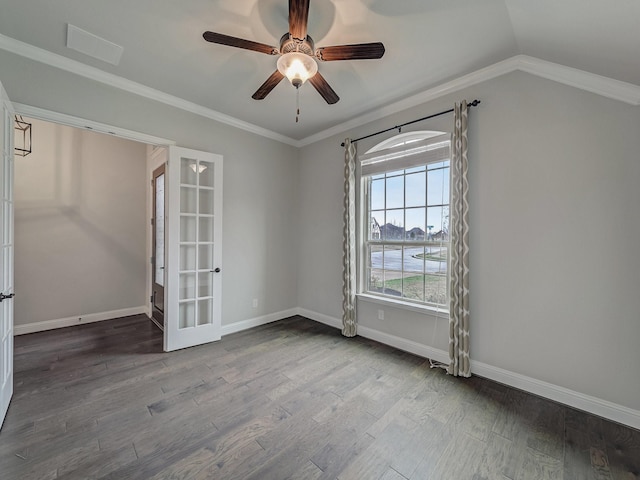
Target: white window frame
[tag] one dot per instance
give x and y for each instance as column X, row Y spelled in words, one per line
column 391, row 155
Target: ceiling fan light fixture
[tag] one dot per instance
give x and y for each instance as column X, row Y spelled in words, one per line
column 297, row 67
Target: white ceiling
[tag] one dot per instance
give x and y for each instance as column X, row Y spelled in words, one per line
column 428, row 42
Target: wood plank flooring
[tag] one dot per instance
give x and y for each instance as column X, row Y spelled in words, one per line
column 289, row 400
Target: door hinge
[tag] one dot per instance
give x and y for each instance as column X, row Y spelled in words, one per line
column 151, row 299
column 152, row 221
column 151, row 259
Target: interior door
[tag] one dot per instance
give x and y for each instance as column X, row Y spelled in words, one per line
column 194, row 248
column 158, row 243
column 6, row 255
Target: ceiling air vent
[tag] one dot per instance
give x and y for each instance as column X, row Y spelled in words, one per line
column 92, row 45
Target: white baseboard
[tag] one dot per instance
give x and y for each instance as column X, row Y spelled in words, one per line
column 78, row 320
column 256, row 322
column 320, row 318
column 594, row 405
column 391, row 340
column 404, row 344
column 587, row 403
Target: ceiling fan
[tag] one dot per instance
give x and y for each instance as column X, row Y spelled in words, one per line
column 298, row 54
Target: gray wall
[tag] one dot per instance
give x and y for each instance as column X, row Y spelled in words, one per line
column 555, row 270
column 79, row 224
column 260, row 178
column 554, row 215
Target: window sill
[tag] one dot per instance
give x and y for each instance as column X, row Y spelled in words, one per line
column 412, row 307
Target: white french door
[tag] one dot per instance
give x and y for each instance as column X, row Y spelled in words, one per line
column 194, row 248
column 6, row 254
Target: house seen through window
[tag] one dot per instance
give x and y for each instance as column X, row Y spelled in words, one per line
column 406, row 200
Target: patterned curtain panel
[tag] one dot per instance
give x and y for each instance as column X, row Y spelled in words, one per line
column 459, row 231
column 349, row 242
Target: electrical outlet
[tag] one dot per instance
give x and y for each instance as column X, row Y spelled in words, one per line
column 255, row 303
column 380, row 314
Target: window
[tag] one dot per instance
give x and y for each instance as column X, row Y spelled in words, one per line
column 406, row 218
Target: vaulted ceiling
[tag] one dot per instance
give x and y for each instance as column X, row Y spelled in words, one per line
column 428, row 42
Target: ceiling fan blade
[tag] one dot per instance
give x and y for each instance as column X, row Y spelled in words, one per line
column 267, row 86
column 361, row 51
column 221, row 39
column 298, row 17
column 324, row 89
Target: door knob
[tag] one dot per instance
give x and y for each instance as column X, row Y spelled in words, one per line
column 217, row 270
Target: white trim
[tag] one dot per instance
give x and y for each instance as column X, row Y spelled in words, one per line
column 587, row 403
column 77, row 122
column 412, row 307
column 58, row 61
column 404, row 139
column 605, row 86
column 77, row 320
column 591, row 82
column 372, row 334
column 257, row 321
column 404, row 344
column 320, row 318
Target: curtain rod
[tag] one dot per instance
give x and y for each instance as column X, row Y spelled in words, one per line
column 399, row 127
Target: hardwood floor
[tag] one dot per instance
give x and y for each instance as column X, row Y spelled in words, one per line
column 292, row 399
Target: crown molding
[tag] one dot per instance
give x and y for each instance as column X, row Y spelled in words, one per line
column 604, row 86
column 482, row 75
column 77, row 122
column 590, row 82
column 58, row 61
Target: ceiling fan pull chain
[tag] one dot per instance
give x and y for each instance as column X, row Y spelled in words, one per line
column 297, row 103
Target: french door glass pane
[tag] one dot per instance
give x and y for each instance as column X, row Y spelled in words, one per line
column 187, row 314
column 188, row 200
column 188, row 168
column 205, row 233
column 187, row 257
column 187, row 229
column 205, row 257
column 187, row 286
column 205, row 284
column 205, row 201
column 207, row 174
column 205, row 312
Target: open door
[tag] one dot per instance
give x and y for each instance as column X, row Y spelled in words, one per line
column 158, row 238
column 194, row 248
column 6, row 255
